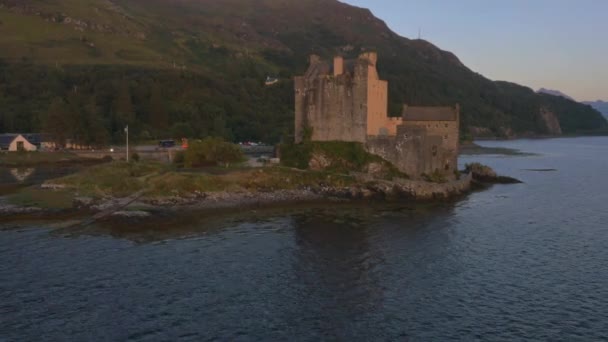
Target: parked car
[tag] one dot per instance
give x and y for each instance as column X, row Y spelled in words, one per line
column 166, row 143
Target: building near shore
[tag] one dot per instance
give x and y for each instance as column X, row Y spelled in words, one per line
column 347, row 101
column 19, row 142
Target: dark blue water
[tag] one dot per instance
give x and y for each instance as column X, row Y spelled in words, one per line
column 515, row 262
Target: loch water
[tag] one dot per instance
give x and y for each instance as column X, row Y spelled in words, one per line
column 513, row 262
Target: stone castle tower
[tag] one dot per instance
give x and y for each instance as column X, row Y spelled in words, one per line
column 347, row 101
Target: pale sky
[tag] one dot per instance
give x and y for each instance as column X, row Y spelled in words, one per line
column 555, row 44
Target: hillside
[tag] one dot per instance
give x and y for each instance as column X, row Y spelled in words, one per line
column 196, row 67
column 599, row 105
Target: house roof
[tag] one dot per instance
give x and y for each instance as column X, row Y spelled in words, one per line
column 34, row 138
column 6, row 139
column 429, row 113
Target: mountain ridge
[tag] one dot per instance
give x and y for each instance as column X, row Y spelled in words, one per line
column 223, row 51
column 599, row 105
column 554, row 93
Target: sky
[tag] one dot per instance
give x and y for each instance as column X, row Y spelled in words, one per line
column 555, row 44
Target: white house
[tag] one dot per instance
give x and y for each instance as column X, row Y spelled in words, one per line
column 16, row 142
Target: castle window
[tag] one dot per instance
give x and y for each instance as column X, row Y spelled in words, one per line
column 445, row 137
column 434, row 150
column 446, row 125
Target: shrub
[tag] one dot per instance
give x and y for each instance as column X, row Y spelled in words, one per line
column 344, row 157
column 457, row 174
column 135, row 157
column 211, row 152
column 435, row 177
column 179, row 158
column 296, row 155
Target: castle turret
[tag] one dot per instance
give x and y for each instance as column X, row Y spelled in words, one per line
column 338, row 65
column 371, row 57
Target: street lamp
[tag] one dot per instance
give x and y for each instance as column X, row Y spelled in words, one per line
column 127, row 131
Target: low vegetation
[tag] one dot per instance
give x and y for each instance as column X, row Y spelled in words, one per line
column 113, row 179
column 436, row 177
column 338, row 157
column 120, row 179
column 211, row 152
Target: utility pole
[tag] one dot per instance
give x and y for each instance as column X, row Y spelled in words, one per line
column 127, row 131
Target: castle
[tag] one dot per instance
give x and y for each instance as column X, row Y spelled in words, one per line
column 347, row 101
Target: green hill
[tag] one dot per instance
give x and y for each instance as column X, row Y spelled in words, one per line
column 197, row 67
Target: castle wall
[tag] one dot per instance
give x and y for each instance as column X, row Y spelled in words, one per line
column 377, row 107
column 448, row 132
column 300, row 106
column 415, row 151
column 335, row 107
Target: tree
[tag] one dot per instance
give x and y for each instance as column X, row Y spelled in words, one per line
column 55, row 123
column 159, row 119
column 97, row 133
column 77, row 125
column 122, row 108
column 182, row 130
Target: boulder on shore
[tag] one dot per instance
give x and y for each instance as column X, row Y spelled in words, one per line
column 485, row 174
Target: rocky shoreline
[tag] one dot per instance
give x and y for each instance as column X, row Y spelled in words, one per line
column 366, row 189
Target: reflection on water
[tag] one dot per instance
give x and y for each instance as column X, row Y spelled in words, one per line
column 13, row 178
column 515, row 262
column 22, row 174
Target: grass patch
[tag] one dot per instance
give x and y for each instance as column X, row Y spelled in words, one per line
column 116, row 179
column 121, row 179
column 45, row 199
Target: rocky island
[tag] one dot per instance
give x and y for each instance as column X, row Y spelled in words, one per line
column 311, row 172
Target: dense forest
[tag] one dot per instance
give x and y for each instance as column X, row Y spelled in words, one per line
column 195, row 68
column 91, row 105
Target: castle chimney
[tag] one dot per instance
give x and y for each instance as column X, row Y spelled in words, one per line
column 338, row 65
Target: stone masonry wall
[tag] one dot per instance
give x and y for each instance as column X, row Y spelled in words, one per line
column 448, row 132
column 335, row 107
column 415, row 152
